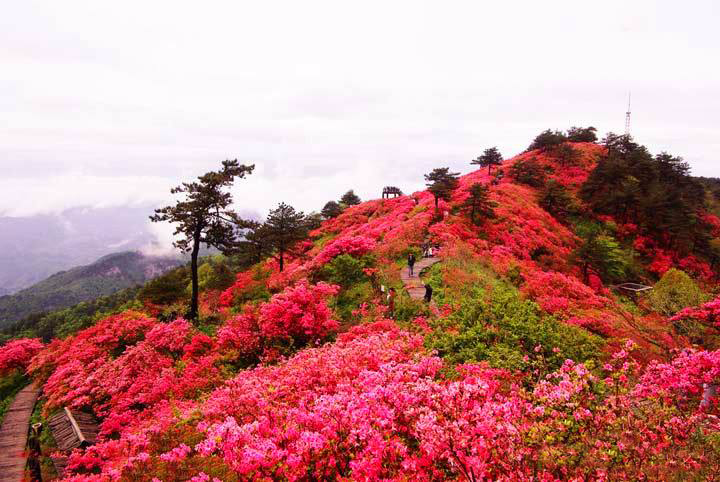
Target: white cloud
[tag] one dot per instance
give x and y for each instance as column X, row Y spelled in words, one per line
column 55, row 194
column 113, row 103
column 163, row 233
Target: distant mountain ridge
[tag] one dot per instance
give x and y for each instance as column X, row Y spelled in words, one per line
column 107, row 275
column 34, row 247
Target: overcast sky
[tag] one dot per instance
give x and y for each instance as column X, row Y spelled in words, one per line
column 112, row 103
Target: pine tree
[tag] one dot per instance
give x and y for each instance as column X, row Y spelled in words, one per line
column 529, row 172
column 491, row 157
column 331, row 210
column 478, row 204
column 441, row 183
column 547, row 140
column 314, row 220
column 565, row 154
column 254, row 245
column 582, row 134
column 599, row 253
column 655, row 193
column 350, row 198
column 283, row 228
column 556, row 200
column 204, row 217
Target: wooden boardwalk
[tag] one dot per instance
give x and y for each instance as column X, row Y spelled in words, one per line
column 413, row 284
column 13, row 434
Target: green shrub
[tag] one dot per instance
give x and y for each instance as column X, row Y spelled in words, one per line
column 215, row 274
column 505, row 330
column 349, row 299
column 407, row 309
column 168, row 288
column 675, row 290
column 345, row 270
column 9, row 386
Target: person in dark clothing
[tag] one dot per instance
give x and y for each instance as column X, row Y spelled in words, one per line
column 34, row 451
column 411, row 263
column 428, row 293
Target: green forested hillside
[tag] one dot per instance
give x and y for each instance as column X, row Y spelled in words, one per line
column 107, row 275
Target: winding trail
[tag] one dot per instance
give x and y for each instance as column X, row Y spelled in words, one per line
column 14, row 432
column 413, row 285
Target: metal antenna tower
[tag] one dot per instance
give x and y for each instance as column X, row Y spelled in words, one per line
column 627, row 118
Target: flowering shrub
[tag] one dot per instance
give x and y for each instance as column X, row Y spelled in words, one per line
column 696, row 267
column 136, row 363
column 16, row 354
column 107, row 338
column 394, row 225
column 595, row 325
column 712, row 221
column 708, row 313
column 352, row 245
column 299, row 315
column 700, row 324
column 681, row 381
column 558, row 293
column 620, row 429
column 248, row 285
column 391, row 414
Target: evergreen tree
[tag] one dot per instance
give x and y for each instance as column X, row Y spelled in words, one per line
column 655, row 193
column 441, row 183
column 599, row 253
column 491, row 157
column 167, row 288
column 547, row 140
column 478, row 205
column 529, row 172
column 253, row 246
column 566, row 155
column 314, row 220
column 350, row 198
column 283, row 228
column 203, row 216
column 331, row 210
column 556, row 200
column 580, row 134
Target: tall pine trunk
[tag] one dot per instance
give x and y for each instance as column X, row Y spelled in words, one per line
column 193, row 313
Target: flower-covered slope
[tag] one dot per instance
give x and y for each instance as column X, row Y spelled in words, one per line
column 374, row 405
column 273, row 391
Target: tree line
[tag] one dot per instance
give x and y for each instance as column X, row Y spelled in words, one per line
column 204, row 216
column 628, row 183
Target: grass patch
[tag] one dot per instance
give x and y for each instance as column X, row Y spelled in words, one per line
column 10, row 385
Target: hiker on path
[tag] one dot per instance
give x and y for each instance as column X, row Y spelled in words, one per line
column 411, row 263
column 391, row 302
column 428, row 293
